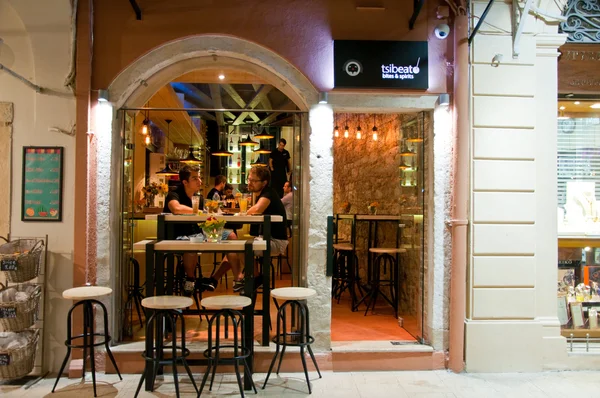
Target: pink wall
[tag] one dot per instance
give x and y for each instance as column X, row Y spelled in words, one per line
column 299, row 30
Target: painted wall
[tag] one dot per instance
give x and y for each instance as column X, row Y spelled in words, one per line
column 36, row 44
column 511, row 316
column 299, row 30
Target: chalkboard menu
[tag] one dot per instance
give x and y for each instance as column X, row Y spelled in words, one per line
column 42, row 184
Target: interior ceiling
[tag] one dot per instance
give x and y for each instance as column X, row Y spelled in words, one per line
column 582, row 107
column 203, row 89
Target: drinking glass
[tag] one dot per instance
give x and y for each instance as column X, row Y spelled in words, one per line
column 195, row 204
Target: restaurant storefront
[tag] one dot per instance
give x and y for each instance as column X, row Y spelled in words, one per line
column 474, row 205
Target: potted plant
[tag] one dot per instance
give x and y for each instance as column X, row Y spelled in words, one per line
column 150, row 191
column 213, row 229
column 372, row 207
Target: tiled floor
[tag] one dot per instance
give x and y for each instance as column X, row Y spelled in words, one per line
column 425, row 384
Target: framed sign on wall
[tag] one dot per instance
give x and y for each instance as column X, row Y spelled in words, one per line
column 381, row 64
column 41, row 196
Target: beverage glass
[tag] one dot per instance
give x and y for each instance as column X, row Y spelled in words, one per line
column 195, row 204
column 243, row 205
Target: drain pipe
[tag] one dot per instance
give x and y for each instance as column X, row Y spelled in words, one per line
column 459, row 223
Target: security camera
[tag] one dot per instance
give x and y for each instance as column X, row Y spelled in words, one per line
column 442, row 31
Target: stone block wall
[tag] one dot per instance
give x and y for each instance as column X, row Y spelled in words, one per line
column 366, row 170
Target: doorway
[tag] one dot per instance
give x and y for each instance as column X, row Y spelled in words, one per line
column 380, row 190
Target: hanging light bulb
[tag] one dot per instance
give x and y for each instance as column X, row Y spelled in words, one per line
column 147, row 140
column 374, row 129
column 336, row 131
column 346, row 133
column 145, row 128
column 358, row 133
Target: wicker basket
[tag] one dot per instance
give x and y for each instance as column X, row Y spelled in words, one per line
column 20, row 360
column 26, row 255
column 25, row 311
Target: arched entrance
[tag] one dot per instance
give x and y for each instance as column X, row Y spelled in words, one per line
column 139, row 81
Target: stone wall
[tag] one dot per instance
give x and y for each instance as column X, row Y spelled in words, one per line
column 366, row 170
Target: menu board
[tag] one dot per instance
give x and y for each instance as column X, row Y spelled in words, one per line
column 42, row 184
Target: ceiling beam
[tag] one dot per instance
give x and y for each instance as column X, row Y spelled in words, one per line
column 269, row 119
column 215, row 94
column 241, row 103
column 266, row 103
column 192, row 91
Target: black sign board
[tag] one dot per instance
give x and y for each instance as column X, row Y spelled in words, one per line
column 8, row 265
column 4, row 359
column 380, row 64
column 8, row 312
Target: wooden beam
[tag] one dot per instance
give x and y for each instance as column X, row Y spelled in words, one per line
column 192, row 91
column 266, row 103
column 269, row 119
column 259, row 96
column 215, row 93
column 241, row 103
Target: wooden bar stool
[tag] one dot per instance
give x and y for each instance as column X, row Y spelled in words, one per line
column 86, row 297
column 384, row 257
column 166, row 309
column 294, row 300
column 345, row 273
column 234, row 351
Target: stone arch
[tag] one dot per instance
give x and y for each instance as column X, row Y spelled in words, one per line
column 141, row 79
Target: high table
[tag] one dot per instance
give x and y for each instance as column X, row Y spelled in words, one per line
column 165, row 230
column 155, row 252
column 371, row 240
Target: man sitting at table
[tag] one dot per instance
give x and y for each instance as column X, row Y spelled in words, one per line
column 267, row 203
column 179, row 201
column 217, row 191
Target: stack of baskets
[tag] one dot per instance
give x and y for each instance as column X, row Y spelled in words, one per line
column 20, row 262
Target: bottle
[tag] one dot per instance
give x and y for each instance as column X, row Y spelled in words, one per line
column 230, row 161
column 238, row 175
column 231, row 143
column 239, row 162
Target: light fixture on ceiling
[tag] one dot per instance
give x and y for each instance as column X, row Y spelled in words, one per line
column 406, row 151
column 405, row 166
column 258, row 162
column 221, row 77
column 415, row 135
column 222, row 151
column 146, row 123
column 248, row 141
column 346, row 133
column 167, row 171
column 264, row 134
column 562, row 108
column 190, row 159
column 323, row 97
column 595, row 106
column 336, row 129
column 262, row 149
column 576, row 102
column 147, row 140
column 374, row 129
column 358, row 130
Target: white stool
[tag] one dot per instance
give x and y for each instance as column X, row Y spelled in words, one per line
column 293, row 297
column 166, row 309
column 227, row 311
column 87, row 296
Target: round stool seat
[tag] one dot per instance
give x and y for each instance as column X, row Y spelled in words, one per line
column 86, row 292
column 292, row 293
column 343, row 246
column 167, row 302
column 225, row 302
column 388, row 250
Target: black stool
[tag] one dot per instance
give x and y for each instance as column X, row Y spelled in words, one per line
column 166, row 309
column 288, row 338
column 134, row 290
column 384, row 258
column 237, row 352
column 345, row 276
column 86, row 297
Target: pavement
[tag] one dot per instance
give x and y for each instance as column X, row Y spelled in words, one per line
column 421, row 384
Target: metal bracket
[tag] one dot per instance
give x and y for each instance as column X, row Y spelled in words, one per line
column 481, row 19
column 518, row 24
column 136, row 9
column 417, row 5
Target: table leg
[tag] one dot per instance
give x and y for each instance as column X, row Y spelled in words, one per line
column 160, row 274
column 266, row 282
column 149, row 331
column 249, row 311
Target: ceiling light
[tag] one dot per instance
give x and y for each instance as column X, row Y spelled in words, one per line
column 147, row 140
column 248, row 142
column 358, row 133
column 323, row 97
column 103, row 95
column 222, row 151
column 167, row 171
column 346, row 133
column 577, row 102
column 595, row 106
column 262, row 150
column 221, row 77
column 264, row 135
column 562, row 108
column 336, row 131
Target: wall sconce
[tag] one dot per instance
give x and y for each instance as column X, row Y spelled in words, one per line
column 323, row 97
column 444, row 99
column 103, row 95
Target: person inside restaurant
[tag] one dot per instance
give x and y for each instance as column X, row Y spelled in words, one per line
column 267, row 203
column 216, row 193
column 280, row 165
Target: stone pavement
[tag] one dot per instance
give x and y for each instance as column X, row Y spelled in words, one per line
column 422, row 384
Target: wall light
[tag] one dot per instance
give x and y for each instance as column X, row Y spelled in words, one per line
column 444, row 99
column 323, row 97
column 221, row 77
column 103, row 95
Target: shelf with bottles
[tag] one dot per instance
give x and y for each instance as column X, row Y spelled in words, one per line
column 233, row 143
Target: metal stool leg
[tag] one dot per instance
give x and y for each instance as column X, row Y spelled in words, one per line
column 68, row 344
column 90, row 315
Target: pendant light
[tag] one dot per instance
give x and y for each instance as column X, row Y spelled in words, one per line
column 415, row 137
column 222, row 151
column 248, row 141
column 406, row 151
column 336, row 129
column 190, row 159
column 346, row 133
column 258, row 162
column 264, row 134
column 374, row 129
column 358, row 130
column 146, row 124
column 167, row 170
column 262, row 149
